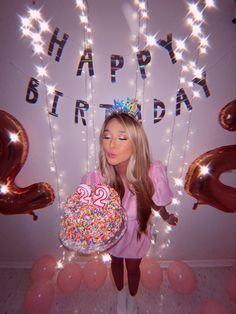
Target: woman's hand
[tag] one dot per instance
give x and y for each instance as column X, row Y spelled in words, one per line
column 172, row 220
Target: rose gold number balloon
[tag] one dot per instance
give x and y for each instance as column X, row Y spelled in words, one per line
column 202, row 180
column 13, row 154
column 227, row 116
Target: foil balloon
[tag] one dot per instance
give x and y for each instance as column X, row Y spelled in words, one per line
column 202, row 180
column 227, row 116
column 13, row 154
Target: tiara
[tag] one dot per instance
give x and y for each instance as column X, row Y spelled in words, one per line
column 128, row 105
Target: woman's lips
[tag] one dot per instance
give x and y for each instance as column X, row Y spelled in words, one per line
column 111, row 156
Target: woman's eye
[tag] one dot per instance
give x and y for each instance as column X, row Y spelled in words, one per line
column 106, row 137
column 122, row 138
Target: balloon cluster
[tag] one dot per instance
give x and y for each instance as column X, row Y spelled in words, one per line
column 48, row 277
column 202, row 180
column 39, row 296
column 13, row 154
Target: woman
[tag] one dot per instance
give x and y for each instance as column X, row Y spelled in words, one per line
column 125, row 165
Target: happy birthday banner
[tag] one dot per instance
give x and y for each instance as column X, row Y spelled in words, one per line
column 56, row 46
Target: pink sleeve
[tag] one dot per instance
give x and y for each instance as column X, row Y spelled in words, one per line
column 162, row 193
column 92, row 177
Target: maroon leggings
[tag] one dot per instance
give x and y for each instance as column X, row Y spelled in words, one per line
column 133, row 272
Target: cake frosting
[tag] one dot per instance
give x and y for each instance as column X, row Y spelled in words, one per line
column 93, row 219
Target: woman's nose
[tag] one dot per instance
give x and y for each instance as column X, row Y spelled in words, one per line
column 112, row 142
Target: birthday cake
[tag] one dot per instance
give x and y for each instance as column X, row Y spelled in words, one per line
column 93, row 219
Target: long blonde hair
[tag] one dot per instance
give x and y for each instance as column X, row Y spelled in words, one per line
column 138, row 167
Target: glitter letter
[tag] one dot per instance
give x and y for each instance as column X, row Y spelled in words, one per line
column 61, row 43
column 142, row 62
column 81, row 106
column 202, row 82
column 89, row 60
column 182, row 97
column 115, row 66
column 158, row 103
column 32, row 89
column 55, row 101
column 168, row 46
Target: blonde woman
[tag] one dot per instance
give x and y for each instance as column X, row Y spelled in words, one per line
column 125, row 165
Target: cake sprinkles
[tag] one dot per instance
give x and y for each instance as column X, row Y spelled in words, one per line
column 93, row 219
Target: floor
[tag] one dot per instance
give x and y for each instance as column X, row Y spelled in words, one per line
column 211, row 284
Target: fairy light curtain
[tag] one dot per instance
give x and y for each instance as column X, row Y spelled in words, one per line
column 192, row 77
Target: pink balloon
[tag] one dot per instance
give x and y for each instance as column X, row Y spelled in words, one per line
column 151, row 274
column 231, row 289
column 69, row 278
column 213, row 307
column 39, row 297
column 43, row 268
column 94, row 274
column 181, row 277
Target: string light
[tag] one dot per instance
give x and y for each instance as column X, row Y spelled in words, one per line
column 34, row 14
column 59, row 264
column 41, row 71
column 84, row 19
column 196, row 16
column 44, row 26
column 51, row 91
column 179, row 55
column 38, row 49
column 195, row 20
column 151, row 40
column 142, row 5
column 80, row 4
column 168, row 229
column 34, row 26
column 193, row 9
column 204, row 41
column 175, row 201
column 197, row 72
column 90, row 126
column 178, row 182
column 196, row 94
column 106, row 257
column 196, row 30
column 180, row 44
column 209, row 3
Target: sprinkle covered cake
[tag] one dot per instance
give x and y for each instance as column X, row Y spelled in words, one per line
column 93, row 219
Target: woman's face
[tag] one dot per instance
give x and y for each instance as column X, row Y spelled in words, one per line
column 116, row 143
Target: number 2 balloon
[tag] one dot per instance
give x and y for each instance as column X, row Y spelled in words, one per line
column 202, row 180
column 13, row 154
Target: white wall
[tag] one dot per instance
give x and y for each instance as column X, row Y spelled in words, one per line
column 205, row 234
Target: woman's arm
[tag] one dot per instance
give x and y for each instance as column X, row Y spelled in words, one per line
column 170, row 218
